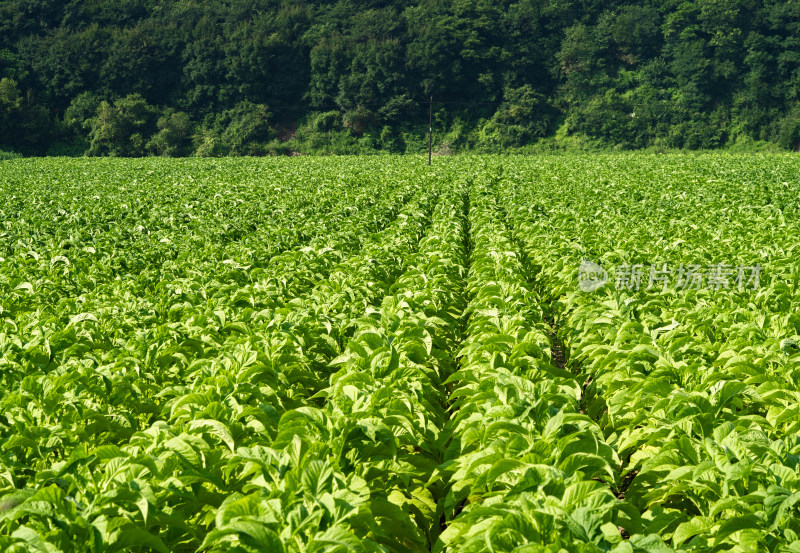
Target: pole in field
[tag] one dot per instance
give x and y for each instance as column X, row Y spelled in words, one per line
column 430, row 131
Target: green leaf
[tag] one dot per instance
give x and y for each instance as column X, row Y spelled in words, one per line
column 250, row 533
column 686, row 530
column 132, row 536
column 737, row 524
column 215, row 428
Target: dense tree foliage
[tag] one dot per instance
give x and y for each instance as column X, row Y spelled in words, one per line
column 139, row 77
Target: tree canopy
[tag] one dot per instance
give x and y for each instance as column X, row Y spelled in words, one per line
column 239, row 77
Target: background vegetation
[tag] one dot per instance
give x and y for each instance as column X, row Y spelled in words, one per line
column 254, row 77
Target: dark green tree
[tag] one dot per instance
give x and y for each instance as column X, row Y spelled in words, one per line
column 122, row 128
column 174, row 136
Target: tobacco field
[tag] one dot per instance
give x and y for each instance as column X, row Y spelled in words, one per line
column 372, row 355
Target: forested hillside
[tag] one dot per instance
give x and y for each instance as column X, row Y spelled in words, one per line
column 251, row 77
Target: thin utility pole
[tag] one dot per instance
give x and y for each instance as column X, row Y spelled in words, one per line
column 430, row 131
